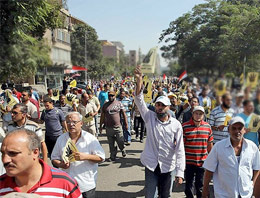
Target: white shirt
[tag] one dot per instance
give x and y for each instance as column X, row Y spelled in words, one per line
column 232, row 178
column 164, row 143
column 85, row 172
column 32, row 110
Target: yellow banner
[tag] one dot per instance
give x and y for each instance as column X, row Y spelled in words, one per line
column 73, row 83
column 10, row 99
column 147, row 89
column 70, row 98
column 69, row 149
column 228, row 118
column 254, row 123
column 220, row 87
column 56, row 95
column 149, row 62
column 252, row 79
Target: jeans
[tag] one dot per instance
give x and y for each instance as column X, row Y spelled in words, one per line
column 137, row 122
column 127, row 131
column 191, row 172
column 157, row 183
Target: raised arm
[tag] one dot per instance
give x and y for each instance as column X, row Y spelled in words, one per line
column 138, row 77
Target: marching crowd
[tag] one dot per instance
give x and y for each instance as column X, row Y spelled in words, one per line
column 192, row 134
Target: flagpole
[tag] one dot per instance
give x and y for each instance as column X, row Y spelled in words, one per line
column 244, row 69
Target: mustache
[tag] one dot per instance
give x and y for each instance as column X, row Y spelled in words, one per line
column 8, row 164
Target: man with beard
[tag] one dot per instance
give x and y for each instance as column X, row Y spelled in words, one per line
column 234, row 164
column 110, row 115
column 218, row 116
column 164, row 148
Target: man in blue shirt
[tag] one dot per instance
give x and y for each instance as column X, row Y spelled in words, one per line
column 103, row 96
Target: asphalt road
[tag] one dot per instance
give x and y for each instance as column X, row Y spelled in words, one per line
column 125, row 177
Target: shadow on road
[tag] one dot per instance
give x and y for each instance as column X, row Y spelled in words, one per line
column 128, row 162
column 119, row 194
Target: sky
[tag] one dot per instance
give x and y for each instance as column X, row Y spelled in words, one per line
column 135, row 23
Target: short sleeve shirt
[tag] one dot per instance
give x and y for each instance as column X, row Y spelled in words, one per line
column 32, row 110
column 53, row 121
column 112, row 113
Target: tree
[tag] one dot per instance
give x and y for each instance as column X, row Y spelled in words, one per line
column 215, row 36
column 22, row 26
column 86, row 36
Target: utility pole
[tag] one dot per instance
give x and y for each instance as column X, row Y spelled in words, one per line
column 86, row 71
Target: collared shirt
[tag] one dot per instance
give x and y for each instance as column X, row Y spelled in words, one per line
column 164, row 143
column 85, row 172
column 196, row 139
column 217, row 118
column 84, row 110
column 30, row 125
column 127, row 103
column 230, row 177
column 32, row 110
column 53, row 183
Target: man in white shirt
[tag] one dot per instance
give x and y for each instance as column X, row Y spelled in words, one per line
column 89, row 154
column 32, row 110
column 164, row 148
column 234, row 164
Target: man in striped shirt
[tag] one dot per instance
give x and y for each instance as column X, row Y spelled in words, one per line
column 25, row 172
column 218, row 117
column 198, row 141
column 20, row 120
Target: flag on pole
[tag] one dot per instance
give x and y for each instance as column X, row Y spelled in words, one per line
column 182, row 76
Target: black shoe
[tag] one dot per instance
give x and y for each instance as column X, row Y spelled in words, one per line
column 123, row 153
column 111, row 159
column 127, row 143
column 141, row 141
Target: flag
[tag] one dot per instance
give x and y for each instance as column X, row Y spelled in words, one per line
column 182, row 76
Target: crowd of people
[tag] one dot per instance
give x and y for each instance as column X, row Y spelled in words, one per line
column 191, row 133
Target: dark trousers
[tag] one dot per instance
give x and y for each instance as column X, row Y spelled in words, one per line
column 50, row 143
column 89, row 194
column 191, row 172
column 157, row 181
column 137, row 122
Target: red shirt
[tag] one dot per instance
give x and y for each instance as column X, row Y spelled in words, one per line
column 53, row 182
column 35, row 102
column 18, row 95
column 196, row 141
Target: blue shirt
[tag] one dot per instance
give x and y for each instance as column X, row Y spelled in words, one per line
column 103, row 97
column 126, row 103
column 253, row 136
column 53, row 122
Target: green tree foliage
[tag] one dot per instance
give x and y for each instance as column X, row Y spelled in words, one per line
column 86, row 36
column 22, row 26
column 215, row 36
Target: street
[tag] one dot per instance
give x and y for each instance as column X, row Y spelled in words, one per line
column 125, row 177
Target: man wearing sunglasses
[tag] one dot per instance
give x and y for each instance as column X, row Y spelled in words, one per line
column 20, row 121
column 110, row 115
column 164, row 148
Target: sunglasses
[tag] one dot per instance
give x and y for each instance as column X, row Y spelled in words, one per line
column 110, row 95
column 15, row 113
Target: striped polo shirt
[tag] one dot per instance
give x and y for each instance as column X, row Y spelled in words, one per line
column 217, row 118
column 30, row 125
column 196, row 139
column 53, row 183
